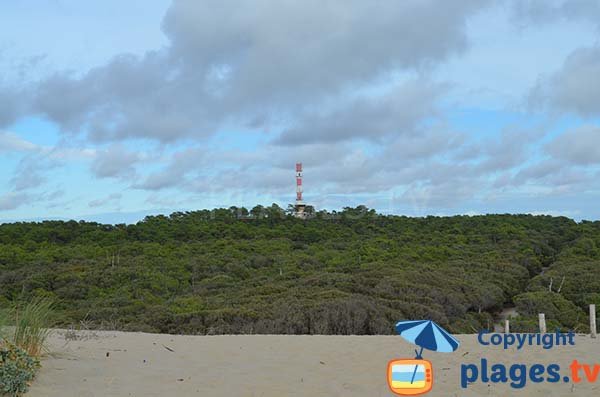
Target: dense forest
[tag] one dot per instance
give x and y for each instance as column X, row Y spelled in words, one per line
column 264, row 271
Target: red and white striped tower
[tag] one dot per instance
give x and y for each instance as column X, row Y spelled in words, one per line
column 300, row 206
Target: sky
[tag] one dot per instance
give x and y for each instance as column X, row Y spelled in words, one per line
column 113, row 110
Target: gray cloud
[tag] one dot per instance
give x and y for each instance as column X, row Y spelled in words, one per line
column 181, row 164
column 271, row 49
column 264, row 66
column 397, row 112
column 111, row 198
column 538, row 171
column 546, row 11
column 424, row 145
column 575, row 87
column 28, row 175
column 11, row 107
column 313, row 155
column 511, row 149
column 579, row 146
column 344, row 86
column 115, row 161
column 37, row 161
column 419, row 167
column 53, row 195
column 31, row 171
column 255, row 63
column 554, row 177
column 197, row 169
column 161, row 180
column 12, row 200
column 443, row 195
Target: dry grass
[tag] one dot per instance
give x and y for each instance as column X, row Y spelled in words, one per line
column 30, row 324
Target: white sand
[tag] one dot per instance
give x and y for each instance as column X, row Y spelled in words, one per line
column 140, row 365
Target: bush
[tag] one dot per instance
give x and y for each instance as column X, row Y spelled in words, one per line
column 17, row 369
column 556, row 308
column 341, row 272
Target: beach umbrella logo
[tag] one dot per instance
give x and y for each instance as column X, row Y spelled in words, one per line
column 410, row 377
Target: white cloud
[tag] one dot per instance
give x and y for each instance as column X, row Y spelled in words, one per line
column 10, row 142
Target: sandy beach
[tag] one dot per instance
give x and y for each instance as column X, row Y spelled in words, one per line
column 138, row 364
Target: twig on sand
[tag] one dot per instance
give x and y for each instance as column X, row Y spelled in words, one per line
column 168, row 348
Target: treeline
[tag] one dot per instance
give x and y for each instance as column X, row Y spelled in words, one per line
column 263, row 271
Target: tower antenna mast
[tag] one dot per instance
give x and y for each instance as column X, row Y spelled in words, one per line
column 300, row 205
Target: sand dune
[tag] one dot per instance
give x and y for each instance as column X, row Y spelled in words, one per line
column 137, row 364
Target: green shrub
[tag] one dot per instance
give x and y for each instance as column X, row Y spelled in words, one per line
column 17, row 369
column 520, row 324
column 556, row 308
column 348, row 271
column 523, row 324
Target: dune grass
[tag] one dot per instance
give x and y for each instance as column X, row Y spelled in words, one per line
column 5, row 323
column 27, row 324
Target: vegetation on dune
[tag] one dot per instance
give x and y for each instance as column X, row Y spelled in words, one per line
column 263, row 271
column 32, row 321
column 23, row 331
column 17, row 369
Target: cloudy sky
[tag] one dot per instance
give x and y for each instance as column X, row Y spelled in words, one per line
column 111, row 110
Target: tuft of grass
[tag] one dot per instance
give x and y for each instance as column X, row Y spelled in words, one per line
column 32, row 321
column 4, row 315
column 5, row 322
